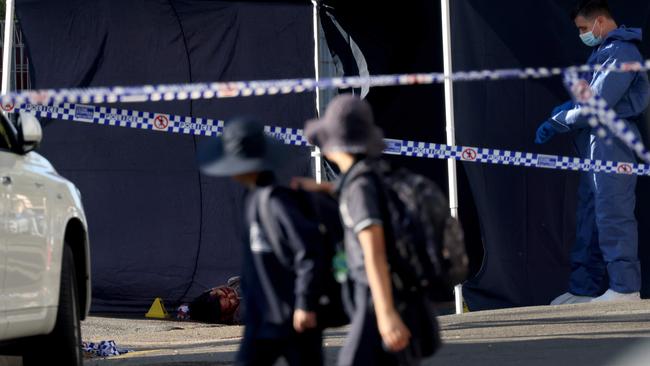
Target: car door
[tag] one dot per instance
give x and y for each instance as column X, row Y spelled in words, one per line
column 26, row 246
column 28, row 253
column 3, row 247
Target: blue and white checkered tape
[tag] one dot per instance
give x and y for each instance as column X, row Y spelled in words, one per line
column 288, row 136
column 126, row 118
column 515, row 158
column 207, row 127
column 154, row 93
column 600, row 114
column 52, row 100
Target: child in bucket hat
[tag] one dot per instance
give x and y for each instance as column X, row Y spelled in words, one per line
column 381, row 334
column 283, row 268
column 348, row 126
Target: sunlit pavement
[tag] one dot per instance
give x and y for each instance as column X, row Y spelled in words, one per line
column 585, row 334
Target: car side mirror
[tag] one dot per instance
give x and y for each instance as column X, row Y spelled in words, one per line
column 30, row 131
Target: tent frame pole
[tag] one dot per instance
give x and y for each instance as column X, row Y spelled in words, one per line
column 316, row 153
column 450, row 122
column 8, row 47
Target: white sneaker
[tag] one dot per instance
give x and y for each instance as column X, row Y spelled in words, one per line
column 613, row 296
column 569, row 298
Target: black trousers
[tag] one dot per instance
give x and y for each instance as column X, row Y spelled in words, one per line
column 297, row 349
column 364, row 346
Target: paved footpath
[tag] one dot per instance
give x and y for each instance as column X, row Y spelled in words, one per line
column 586, row 334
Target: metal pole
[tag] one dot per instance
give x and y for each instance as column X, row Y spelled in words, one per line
column 449, row 113
column 458, row 296
column 316, row 153
column 449, row 105
column 8, row 46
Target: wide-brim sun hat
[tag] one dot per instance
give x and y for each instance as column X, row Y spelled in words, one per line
column 347, row 126
column 243, row 148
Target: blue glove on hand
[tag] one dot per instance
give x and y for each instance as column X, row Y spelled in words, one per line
column 544, row 133
column 564, row 107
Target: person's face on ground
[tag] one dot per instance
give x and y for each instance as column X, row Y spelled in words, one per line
column 228, row 300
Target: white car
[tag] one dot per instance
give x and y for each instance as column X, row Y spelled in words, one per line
column 44, row 252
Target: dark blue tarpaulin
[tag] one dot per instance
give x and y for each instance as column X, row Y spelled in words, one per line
column 158, row 228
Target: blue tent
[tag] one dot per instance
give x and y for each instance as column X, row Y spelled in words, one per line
column 160, row 229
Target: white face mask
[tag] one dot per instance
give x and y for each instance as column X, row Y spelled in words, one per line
column 590, row 39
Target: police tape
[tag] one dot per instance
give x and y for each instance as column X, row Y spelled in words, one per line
column 512, row 158
column 51, row 98
column 124, row 118
column 582, row 93
column 598, row 113
column 206, row 127
column 151, row 93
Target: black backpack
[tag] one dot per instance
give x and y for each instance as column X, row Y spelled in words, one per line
column 322, row 209
column 429, row 249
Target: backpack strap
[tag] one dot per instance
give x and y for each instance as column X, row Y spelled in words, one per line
column 390, row 238
column 269, row 225
column 275, row 312
column 383, row 197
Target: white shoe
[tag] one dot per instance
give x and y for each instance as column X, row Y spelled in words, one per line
column 569, row 298
column 613, row 296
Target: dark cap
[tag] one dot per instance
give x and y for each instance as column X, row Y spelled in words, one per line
column 348, row 126
column 243, row 148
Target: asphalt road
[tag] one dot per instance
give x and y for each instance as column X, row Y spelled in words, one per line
column 586, row 334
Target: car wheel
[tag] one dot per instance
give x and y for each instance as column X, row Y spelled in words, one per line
column 64, row 343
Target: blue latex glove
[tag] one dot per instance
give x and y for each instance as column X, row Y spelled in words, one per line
column 544, row 133
column 564, row 107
